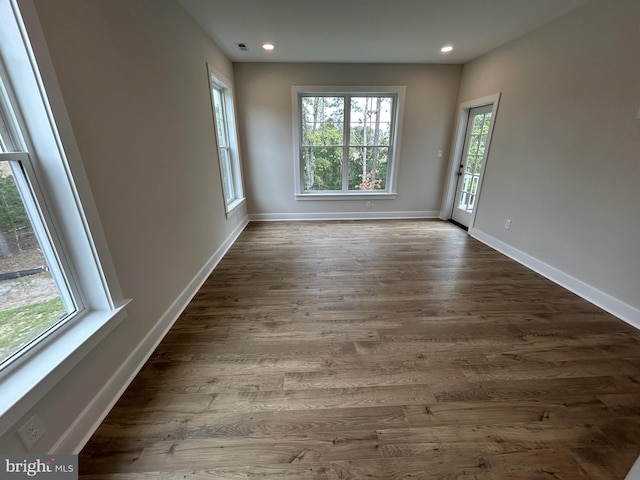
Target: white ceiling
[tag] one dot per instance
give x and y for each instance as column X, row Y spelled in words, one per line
column 370, row 31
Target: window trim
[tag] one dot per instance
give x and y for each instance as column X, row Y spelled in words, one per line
column 35, row 204
column 219, row 82
column 298, row 91
column 58, row 169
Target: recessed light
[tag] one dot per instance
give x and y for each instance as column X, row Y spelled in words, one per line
column 446, row 49
column 268, row 46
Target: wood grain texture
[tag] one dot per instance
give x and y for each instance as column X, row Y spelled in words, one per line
column 377, row 350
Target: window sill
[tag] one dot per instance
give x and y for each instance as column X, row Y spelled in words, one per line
column 235, row 205
column 346, row 196
column 26, row 379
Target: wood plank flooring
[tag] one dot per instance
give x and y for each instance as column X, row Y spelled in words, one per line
column 378, row 350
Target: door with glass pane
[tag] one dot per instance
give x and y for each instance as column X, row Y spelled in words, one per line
column 474, row 154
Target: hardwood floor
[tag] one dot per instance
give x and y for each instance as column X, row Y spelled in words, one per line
column 378, row 350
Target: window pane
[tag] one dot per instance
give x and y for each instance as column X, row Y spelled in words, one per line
column 487, row 123
column 370, row 120
column 368, row 168
column 482, row 144
column 474, row 145
column 478, row 165
column 322, row 121
column 478, row 122
column 322, row 168
column 474, row 185
column 227, row 177
column 221, row 127
column 30, row 300
column 470, row 163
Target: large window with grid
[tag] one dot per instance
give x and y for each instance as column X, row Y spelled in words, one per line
column 347, row 141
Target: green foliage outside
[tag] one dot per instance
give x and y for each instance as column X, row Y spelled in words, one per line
column 20, row 325
column 12, row 213
column 324, row 149
column 474, row 159
column 478, row 143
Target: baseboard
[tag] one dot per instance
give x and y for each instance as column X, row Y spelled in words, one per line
column 279, row 217
column 634, row 473
column 625, row 312
column 78, row 434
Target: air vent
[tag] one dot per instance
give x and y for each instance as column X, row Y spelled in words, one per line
column 242, row 46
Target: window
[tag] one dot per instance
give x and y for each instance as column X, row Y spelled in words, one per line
column 37, row 294
column 227, row 141
column 346, row 142
column 46, row 211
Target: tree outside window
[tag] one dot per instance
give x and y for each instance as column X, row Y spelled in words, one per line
column 34, row 293
column 346, row 142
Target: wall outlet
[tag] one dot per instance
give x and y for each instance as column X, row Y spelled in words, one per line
column 507, row 224
column 31, row 431
column 367, row 204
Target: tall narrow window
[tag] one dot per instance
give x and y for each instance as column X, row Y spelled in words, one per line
column 35, row 291
column 347, row 143
column 226, row 138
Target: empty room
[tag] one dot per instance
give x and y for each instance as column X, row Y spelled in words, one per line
column 320, row 240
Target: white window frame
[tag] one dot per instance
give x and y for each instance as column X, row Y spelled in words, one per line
column 234, row 199
column 35, row 200
column 62, row 191
column 390, row 193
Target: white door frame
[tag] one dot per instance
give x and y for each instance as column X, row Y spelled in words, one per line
column 457, row 149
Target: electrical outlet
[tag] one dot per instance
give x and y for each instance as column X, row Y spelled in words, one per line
column 31, row 431
column 367, row 204
column 507, row 224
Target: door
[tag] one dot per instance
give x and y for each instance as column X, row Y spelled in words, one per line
column 474, row 155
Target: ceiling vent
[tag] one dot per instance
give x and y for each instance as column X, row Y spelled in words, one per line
column 242, row 46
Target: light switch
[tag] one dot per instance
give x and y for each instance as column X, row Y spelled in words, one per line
column 440, row 151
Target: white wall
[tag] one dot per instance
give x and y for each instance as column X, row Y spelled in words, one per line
column 266, row 131
column 565, row 157
column 134, row 79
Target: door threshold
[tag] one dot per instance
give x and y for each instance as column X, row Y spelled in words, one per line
column 458, row 224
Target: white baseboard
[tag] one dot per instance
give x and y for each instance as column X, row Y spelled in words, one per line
column 78, row 434
column 625, row 312
column 634, row 473
column 278, row 217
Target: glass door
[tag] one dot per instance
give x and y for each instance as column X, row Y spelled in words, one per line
column 474, row 154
